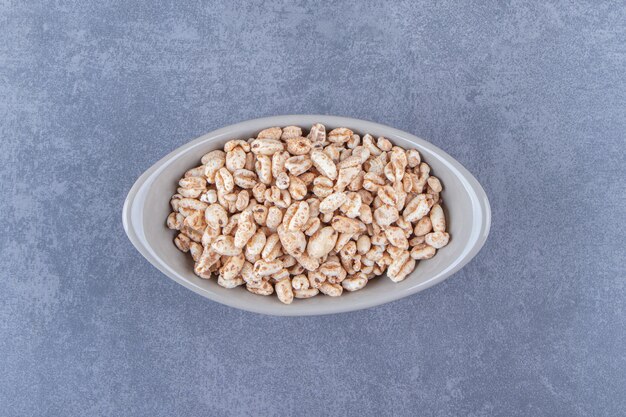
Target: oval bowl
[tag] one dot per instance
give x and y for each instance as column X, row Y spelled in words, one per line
column 147, row 206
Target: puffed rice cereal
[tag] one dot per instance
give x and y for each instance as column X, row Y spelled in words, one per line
column 300, row 215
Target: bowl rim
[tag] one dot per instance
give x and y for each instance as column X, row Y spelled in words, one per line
column 131, row 213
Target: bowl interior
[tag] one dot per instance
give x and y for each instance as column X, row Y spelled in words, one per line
column 464, row 217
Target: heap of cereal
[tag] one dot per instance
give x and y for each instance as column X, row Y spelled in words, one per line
column 299, row 215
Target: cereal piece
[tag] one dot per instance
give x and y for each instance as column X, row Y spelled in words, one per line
column 225, row 245
column 270, row 133
column 272, row 248
column 246, row 228
column 333, row 271
column 332, row 202
column 175, row 221
column 300, row 282
column 322, row 242
column 216, row 216
column 346, row 176
column 423, row 226
column 339, row 135
column 312, row 226
column 316, row 278
column 196, row 250
column 263, row 168
column 282, row 181
column 373, row 181
column 236, row 158
column 400, row 267
column 298, row 146
column 182, row 242
column 396, row 237
column 355, row 282
column 279, row 159
column 383, row 144
column 297, row 188
column 437, row 239
column 368, row 142
column 192, row 204
column 322, row 187
column 332, row 290
column 344, row 224
column 274, row 217
column 284, row 292
column 265, row 288
column 317, row 133
column 437, row 218
column 243, row 199
column 297, row 165
column 195, row 172
column 365, row 214
column 308, row 262
column 230, row 283
column 416, row 209
column 423, row 251
column 264, row 268
column 386, row 215
column 300, row 217
column 293, row 242
column 258, row 192
column 206, row 264
column 363, row 244
column 352, row 206
column 232, row 267
column 266, row 146
column 333, row 152
column 291, row 132
column 260, row 214
column 434, row 184
column 413, row 158
column 212, row 162
column 306, row 293
column 324, row 164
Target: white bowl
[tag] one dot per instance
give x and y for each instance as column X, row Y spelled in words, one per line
column 147, row 206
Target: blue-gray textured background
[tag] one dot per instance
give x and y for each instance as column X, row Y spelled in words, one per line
column 529, row 96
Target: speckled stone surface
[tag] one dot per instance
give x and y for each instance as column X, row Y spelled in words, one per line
column 529, row 96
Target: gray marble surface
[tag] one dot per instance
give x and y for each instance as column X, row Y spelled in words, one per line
column 529, row 96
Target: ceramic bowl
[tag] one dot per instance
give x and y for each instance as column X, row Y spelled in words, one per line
column 147, row 206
